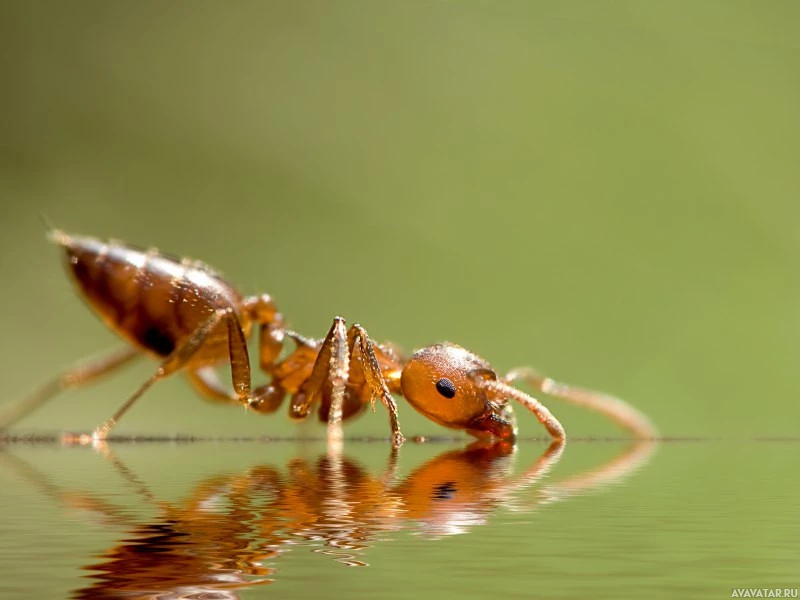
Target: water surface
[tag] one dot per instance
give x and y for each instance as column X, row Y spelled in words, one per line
column 688, row 518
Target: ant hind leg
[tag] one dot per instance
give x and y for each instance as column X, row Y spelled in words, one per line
column 76, row 376
column 182, row 355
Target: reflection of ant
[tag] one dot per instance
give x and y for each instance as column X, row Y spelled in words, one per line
column 224, row 536
column 188, row 317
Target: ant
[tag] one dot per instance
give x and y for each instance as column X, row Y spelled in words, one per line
column 186, row 315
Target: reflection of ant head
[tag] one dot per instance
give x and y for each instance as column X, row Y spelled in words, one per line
column 454, row 491
column 445, row 383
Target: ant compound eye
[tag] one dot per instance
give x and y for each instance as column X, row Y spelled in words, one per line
column 446, row 387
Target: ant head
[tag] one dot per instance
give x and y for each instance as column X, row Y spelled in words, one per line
column 445, row 383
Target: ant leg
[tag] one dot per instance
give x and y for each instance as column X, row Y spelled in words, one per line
column 262, row 310
column 613, row 408
column 239, row 359
column 101, row 511
column 372, row 370
column 206, row 381
column 543, row 465
column 331, row 366
column 633, row 458
column 74, row 377
column 208, row 384
column 389, row 478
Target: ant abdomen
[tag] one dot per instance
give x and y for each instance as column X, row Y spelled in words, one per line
column 151, row 299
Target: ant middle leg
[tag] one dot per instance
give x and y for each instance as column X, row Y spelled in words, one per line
column 266, row 398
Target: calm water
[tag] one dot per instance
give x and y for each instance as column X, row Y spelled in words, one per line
column 689, row 518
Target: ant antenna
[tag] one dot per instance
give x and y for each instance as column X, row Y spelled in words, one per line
column 52, row 232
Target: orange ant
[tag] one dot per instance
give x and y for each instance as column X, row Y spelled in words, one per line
column 186, row 315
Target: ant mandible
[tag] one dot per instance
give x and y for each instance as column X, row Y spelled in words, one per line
column 186, row 315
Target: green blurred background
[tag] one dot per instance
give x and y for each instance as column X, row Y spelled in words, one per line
column 605, row 190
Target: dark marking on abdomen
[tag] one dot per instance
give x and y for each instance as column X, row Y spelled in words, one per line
column 157, row 339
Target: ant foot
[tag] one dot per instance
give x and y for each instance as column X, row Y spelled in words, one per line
column 397, row 439
column 76, row 439
column 101, row 433
column 335, row 433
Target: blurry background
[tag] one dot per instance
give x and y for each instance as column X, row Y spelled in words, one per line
column 607, row 191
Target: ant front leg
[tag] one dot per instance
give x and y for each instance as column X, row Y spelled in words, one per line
column 374, row 376
column 333, row 366
column 613, row 408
